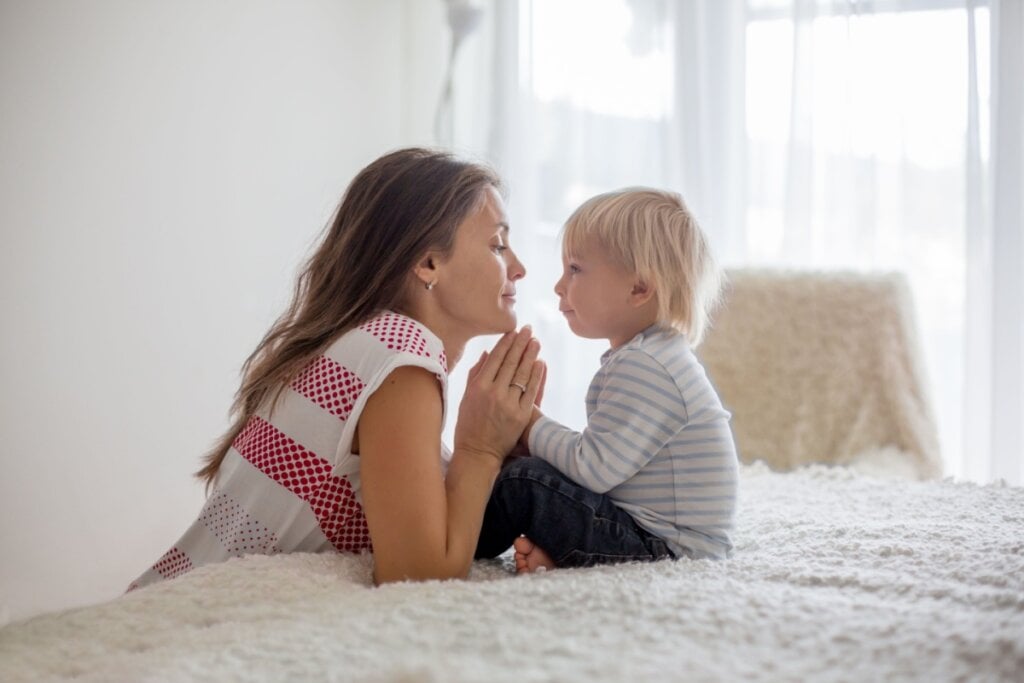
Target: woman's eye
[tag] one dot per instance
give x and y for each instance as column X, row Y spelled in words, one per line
column 499, row 248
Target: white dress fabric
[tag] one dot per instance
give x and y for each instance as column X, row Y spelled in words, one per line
column 290, row 482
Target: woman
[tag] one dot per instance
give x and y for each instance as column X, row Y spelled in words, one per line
column 336, row 437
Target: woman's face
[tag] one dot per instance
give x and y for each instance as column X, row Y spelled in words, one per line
column 477, row 283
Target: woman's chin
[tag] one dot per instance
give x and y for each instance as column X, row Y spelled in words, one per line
column 505, row 323
column 513, row 319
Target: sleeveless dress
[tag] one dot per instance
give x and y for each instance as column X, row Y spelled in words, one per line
column 289, row 482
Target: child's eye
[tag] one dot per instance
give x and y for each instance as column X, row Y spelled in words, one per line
column 573, row 268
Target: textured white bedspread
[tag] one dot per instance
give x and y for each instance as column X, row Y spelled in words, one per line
column 836, row 577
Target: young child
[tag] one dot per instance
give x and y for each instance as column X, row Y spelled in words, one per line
column 653, row 474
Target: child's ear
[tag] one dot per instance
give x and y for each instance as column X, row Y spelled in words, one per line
column 641, row 293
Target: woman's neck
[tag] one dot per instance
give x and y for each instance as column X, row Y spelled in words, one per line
column 452, row 339
column 454, row 346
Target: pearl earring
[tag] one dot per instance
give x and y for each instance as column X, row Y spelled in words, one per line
column 430, row 285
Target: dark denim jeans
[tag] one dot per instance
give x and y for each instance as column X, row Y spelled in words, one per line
column 575, row 526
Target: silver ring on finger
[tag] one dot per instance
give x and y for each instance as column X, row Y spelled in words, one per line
column 518, row 386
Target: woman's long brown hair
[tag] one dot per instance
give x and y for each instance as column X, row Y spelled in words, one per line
column 398, row 208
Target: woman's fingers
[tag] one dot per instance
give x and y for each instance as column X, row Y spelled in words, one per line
column 473, row 371
column 513, row 357
column 521, row 375
column 497, row 355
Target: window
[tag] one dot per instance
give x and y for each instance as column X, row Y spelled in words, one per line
column 803, row 133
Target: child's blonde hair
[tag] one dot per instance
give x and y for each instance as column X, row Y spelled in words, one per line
column 652, row 234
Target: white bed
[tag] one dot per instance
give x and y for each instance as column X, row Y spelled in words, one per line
column 836, row 576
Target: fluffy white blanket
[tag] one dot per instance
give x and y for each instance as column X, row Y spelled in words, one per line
column 836, row 577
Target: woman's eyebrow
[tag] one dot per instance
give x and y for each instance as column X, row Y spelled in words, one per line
column 503, row 225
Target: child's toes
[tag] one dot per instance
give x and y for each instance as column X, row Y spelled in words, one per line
column 523, row 545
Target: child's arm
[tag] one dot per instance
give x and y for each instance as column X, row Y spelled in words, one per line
column 638, row 409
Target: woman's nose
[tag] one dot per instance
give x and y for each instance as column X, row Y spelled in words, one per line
column 518, row 270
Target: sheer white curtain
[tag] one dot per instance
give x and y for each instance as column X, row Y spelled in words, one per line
column 803, row 133
column 994, row 288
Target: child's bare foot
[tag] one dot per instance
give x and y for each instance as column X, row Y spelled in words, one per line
column 530, row 558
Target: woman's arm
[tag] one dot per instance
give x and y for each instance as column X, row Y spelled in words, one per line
column 422, row 525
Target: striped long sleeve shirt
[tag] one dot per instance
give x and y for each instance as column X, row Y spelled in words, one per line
column 657, row 442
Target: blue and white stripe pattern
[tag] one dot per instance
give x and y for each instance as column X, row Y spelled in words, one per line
column 657, row 443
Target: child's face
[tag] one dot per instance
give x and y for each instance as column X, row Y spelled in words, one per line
column 599, row 298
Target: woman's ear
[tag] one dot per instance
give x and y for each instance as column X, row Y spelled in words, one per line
column 426, row 270
column 641, row 293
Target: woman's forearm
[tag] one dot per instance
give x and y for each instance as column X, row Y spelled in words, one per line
column 424, row 526
column 467, row 488
column 468, row 485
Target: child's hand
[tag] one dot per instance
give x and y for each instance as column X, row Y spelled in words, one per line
column 524, row 438
column 518, row 451
column 543, row 383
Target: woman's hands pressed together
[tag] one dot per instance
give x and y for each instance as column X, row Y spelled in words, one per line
column 425, row 525
column 501, row 391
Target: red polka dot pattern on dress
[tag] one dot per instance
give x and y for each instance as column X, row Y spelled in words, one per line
column 309, row 477
column 235, row 528
column 330, row 385
column 173, row 563
column 341, row 517
column 278, row 456
column 398, row 333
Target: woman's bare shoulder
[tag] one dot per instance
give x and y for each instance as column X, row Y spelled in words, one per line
column 409, row 395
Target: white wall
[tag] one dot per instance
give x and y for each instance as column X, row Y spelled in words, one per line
column 165, row 166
